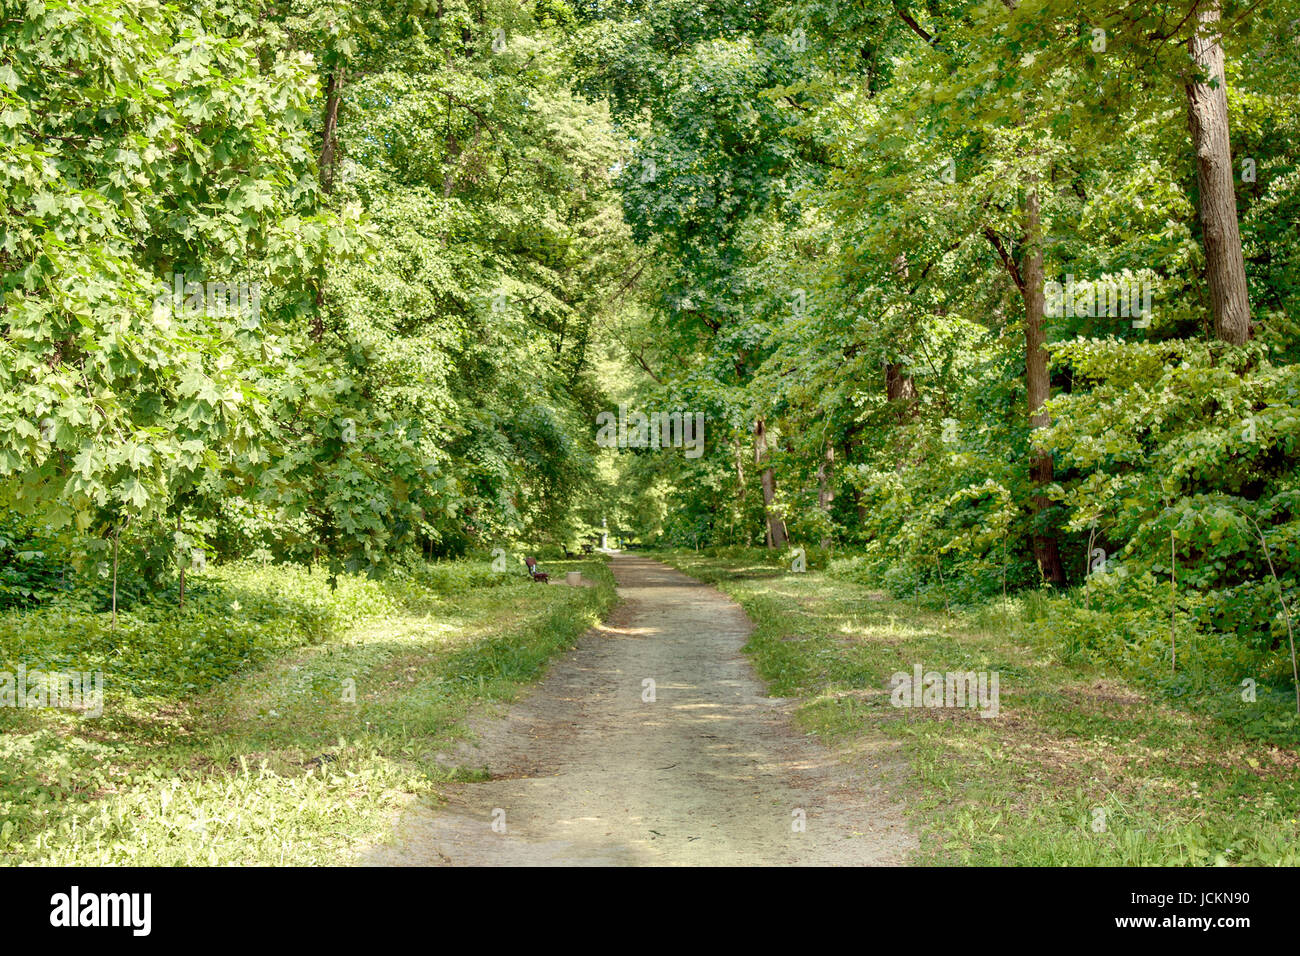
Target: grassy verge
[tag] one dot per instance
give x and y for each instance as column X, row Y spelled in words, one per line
column 1080, row 767
column 273, row 721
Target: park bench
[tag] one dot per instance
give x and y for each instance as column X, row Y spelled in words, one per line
column 588, row 549
column 539, row 576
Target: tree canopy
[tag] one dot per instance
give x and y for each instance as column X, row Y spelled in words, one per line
column 980, row 290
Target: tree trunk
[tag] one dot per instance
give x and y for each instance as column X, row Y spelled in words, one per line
column 1027, row 273
column 1038, row 382
column 330, row 135
column 826, row 485
column 740, row 491
column 328, row 161
column 1207, row 116
column 117, row 534
column 184, row 555
column 776, row 537
column 900, row 391
column 899, row 387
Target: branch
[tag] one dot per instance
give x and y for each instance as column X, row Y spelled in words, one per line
column 1007, row 261
column 916, row 27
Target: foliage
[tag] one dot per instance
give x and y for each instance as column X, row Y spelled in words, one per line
column 276, row 766
column 839, row 239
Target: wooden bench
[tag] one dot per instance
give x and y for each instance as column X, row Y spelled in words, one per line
column 539, row 576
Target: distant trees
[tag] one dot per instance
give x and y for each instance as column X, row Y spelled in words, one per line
column 419, row 215
column 915, row 177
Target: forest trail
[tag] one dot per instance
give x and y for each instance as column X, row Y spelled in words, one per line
column 711, row 772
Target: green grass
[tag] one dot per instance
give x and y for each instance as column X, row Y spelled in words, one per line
column 1194, row 781
column 274, row 721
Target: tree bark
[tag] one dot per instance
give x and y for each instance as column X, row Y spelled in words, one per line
column 1026, row 271
column 900, row 389
column 740, row 491
column 1207, row 117
column 900, row 392
column 117, row 534
column 327, row 163
column 330, row 135
column 1038, row 383
column 826, row 485
column 184, row 554
column 898, row 386
column 776, row 536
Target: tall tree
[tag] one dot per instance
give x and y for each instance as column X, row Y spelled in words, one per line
column 1207, row 116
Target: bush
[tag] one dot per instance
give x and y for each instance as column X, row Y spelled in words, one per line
column 235, row 616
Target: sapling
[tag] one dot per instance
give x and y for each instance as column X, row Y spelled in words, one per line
column 1286, row 612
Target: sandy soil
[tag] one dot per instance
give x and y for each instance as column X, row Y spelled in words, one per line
column 587, row 772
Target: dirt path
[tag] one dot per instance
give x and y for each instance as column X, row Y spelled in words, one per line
column 584, row 771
